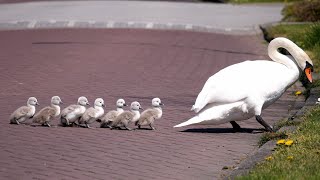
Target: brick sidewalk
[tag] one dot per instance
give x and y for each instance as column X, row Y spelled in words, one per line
column 134, row 65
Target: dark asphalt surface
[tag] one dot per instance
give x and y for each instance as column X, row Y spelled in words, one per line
column 130, row 64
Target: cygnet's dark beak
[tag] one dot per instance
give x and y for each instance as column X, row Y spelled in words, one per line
column 61, row 102
column 125, row 105
column 37, row 104
column 88, row 104
column 102, row 105
column 140, row 108
column 161, row 104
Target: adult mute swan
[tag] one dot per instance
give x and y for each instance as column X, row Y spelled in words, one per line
column 243, row 90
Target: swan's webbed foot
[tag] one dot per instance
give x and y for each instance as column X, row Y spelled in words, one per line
column 236, row 127
column 264, row 124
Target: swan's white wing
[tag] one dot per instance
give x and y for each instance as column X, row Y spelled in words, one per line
column 226, row 86
column 239, row 81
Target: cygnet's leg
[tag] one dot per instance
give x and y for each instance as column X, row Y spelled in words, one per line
column 47, row 124
column 17, row 121
column 236, row 127
column 152, row 127
column 67, row 122
column 125, row 125
column 75, row 123
column 264, row 124
column 87, row 125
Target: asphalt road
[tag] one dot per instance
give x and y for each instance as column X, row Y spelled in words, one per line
column 212, row 17
column 134, row 65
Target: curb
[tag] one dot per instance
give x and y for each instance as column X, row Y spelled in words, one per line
column 54, row 24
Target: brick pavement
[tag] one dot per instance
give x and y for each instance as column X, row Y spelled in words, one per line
column 134, row 65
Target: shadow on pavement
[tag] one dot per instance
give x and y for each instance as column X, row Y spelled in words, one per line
column 224, row 130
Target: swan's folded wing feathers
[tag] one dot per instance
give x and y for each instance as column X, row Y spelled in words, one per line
column 226, row 86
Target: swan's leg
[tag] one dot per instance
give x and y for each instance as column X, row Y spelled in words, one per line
column 235, row 126
column 264, row 124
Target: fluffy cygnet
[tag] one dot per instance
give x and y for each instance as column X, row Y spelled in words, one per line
column 92, row 113
column 148, row 116
column 72, row 113
column 123, row 119
column 25, row 112
column 45, row 115
column 108, row 118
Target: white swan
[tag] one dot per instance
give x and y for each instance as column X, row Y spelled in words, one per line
column 243, row 90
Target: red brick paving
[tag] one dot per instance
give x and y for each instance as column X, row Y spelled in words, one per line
column 134, row 65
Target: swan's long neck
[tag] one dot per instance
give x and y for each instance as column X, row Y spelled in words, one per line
column 293, row 49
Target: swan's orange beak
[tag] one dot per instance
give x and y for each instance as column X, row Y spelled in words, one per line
column 308, row 74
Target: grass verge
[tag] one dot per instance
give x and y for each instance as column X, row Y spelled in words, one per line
column 301, row 160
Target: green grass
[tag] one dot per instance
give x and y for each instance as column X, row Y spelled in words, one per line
column 305, row 153
column 306, row 36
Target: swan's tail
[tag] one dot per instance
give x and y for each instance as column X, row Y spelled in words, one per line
column 194, row 120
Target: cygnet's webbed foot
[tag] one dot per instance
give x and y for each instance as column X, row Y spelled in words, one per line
column 264, row 124
column 236, row 127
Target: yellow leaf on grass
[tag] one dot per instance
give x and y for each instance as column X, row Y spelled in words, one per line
column 281, row 141
column 289, row 143
column 290, row 157
column 269, row 158
column 297, row 93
